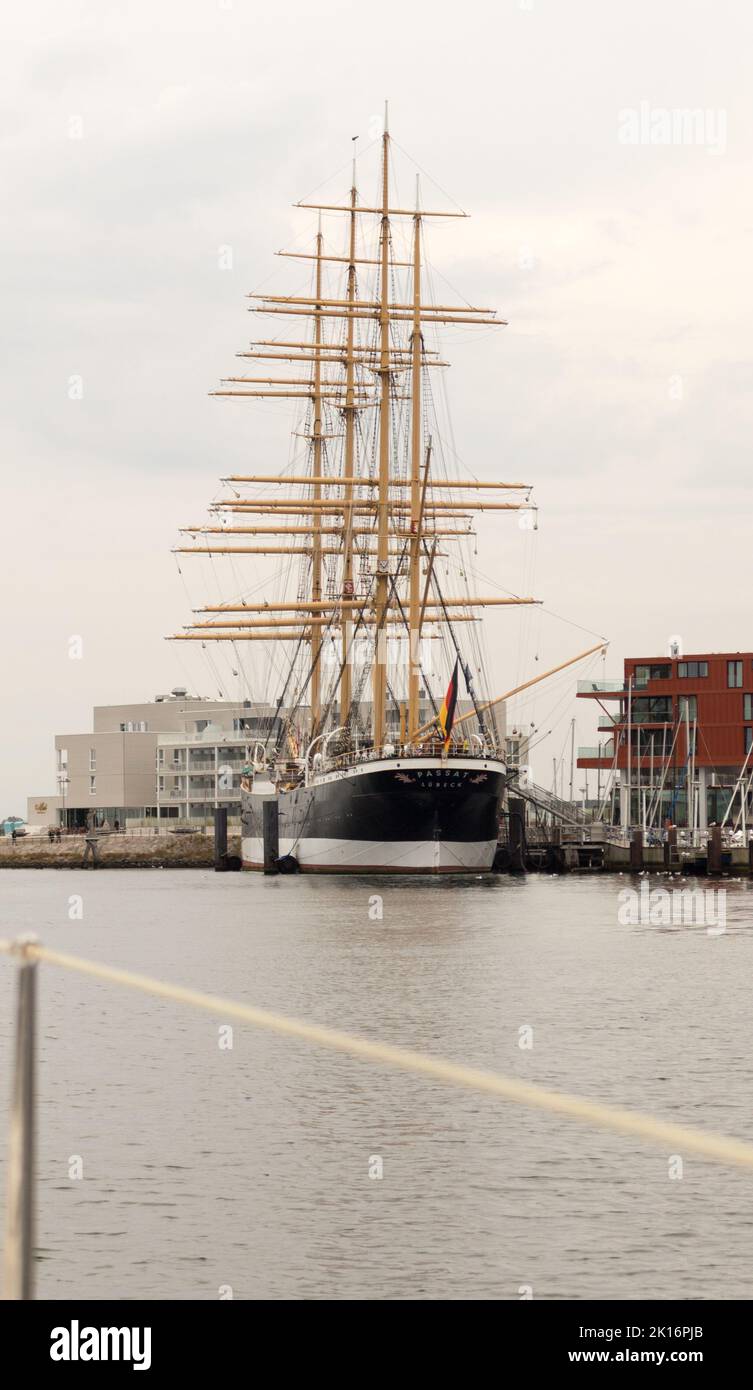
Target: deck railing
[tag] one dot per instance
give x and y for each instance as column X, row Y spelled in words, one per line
column 396, row 752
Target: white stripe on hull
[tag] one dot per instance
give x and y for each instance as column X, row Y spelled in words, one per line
column 377, row 856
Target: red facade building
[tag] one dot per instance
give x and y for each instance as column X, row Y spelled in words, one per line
column 678, row 740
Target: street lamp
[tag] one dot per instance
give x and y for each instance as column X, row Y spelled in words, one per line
column 63, row 782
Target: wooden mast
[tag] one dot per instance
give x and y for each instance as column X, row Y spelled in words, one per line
column 390, row 518
column 414, row 562
column 346, row 682
column 379, row 674
column 316, row 547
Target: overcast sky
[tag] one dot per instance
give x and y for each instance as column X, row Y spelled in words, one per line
column 138, row 139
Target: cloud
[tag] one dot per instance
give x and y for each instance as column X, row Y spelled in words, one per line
column 620, row 388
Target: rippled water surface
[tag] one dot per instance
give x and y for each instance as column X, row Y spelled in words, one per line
column 205, row 1167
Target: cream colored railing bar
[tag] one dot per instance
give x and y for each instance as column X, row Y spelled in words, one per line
column 707, row 1145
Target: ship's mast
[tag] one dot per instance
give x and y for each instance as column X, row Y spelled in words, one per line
column 379, row 670
column 314, row 512
column 316, row 520
column 346, row 685
column 414, row 563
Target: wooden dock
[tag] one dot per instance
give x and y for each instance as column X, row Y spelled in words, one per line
column 595, row 848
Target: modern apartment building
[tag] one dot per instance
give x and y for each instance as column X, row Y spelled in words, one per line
column 111, row 775
column 678, row 745
column 197, row 772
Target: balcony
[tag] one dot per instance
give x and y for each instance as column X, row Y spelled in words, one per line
column 207, row 799
column 607, row 687
column 209, row 738
column 595, row 752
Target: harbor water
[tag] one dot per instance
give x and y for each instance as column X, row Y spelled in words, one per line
column 174, row 1165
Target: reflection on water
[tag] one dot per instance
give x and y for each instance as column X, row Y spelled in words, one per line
column 206, row 1166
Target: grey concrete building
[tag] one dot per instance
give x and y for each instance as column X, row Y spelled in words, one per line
column 110, row 776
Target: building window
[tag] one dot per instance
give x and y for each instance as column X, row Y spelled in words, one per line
column 160, row 757
column 748, row 739
column 92, row 786
column 257, row 724
column 734, row 674
column 92, row 760
column 161, row 786
column 62, row 759
column 645, row 741
column 688, row 707
column 692, row 669
column 747, row 706
column 652, row 709
column 657, row 672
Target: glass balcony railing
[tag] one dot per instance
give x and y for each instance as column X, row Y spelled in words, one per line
column 200, row 798
column 210, row 738
column 600, row 750
column 586, row 687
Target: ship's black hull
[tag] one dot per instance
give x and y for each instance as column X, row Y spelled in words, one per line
column 401, row 815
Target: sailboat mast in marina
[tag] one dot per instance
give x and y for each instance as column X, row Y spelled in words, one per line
column 384, row 753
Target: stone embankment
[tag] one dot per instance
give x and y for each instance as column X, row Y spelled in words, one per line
column 112, row 852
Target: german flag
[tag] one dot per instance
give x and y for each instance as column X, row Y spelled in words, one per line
column 447, row 712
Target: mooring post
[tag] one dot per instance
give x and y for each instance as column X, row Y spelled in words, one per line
column 271, row 830
column 517, row 834
column 714, row 851
column 670, row 848
column 220, row 838
column 19, row 1216
column 555, row 855
column 636, row 852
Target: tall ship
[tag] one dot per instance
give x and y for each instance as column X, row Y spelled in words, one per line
column 385, row 752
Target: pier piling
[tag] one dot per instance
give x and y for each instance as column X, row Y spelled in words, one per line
column 714, row 864
column 671, row 860
column 220, row 839
column 517, row 835
column 271, row 831
column 636, row 852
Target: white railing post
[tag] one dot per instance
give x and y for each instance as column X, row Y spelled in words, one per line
column 18, row 1281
